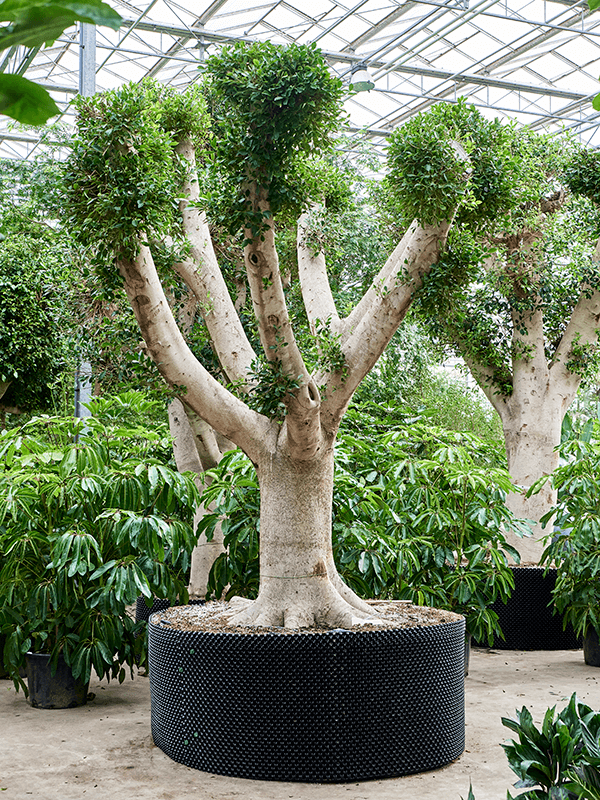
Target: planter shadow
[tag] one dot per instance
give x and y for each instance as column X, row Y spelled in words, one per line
column 527, row 619
column 314, row 707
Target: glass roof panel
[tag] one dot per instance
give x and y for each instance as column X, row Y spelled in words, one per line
column 536, row 61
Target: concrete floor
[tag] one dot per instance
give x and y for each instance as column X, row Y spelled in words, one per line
column 104, row 750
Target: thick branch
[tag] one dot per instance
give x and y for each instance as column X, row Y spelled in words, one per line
column 178, row 365
column 316, row 291
column 381, row 318
column 202, row 274
column 582, row 329
column 392, row 266
column 277, row 337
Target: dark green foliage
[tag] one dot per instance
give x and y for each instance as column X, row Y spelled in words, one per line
column 273, row 107
column 431, row 178
column 124, row 177
column 417, row 518
column 407, row 385
column 413, row 518
column 89, row 520
column 576, row 550
column 271, row 386
column 560, row 761
column 35, row 325
column 582, row 174
column 235, row 493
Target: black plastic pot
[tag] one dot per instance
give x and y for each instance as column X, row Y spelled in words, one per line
column 313, row 707
column 60, row 690
column 3, row 671
column 591, row 648
column 527, row 619
column 142, row 612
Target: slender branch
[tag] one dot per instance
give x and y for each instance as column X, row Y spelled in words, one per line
column 380, row 320
column 178, row 365
column 276, row 334
column 582, row 329
column 316, row 291
column 486, row 380
column 391, row 267
column 202, row 274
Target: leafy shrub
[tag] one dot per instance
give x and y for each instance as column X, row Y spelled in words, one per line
column 575, row 550
column 89, row 520
column 562, row 759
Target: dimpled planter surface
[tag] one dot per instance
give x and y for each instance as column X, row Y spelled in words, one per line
column 527, row 619
column 335, row 706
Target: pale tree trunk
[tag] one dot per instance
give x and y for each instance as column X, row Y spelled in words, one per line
column 299, row 584
column 532, row 414
column 531, row 435
column 187, row 457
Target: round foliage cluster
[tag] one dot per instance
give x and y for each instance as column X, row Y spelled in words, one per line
column 582, row 174
column 272, row 106
column 451, row 161
column 124, row 177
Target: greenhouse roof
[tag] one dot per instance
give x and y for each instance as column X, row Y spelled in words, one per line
column 533, row 61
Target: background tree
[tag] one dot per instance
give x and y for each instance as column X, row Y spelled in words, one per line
column 36, row 333
column 525, row 318
column 136, row 154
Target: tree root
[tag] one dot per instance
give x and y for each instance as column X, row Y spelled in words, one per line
column 309, row 604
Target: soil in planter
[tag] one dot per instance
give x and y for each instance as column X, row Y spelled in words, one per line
column 304, row 705
column 210, row 617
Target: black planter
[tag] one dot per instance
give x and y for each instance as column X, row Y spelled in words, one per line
column 3, row 671
column 591, row 648
column 312, row 707
column 142, row 612
column 60, row 690
column 527, row 619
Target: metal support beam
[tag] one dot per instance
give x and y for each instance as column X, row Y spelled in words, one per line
column 87, row 59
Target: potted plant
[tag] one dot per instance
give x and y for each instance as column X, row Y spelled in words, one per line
column 574, row 549
column 419, row 514
column 89, row 520
column 425, row 521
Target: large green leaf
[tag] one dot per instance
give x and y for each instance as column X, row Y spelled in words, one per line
column 34, row 23
column 24, row 101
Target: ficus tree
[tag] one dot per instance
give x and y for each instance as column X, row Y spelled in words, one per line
column 136, row 182
column 524, row 316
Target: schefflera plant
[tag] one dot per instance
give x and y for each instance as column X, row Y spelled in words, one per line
column 89, row 521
